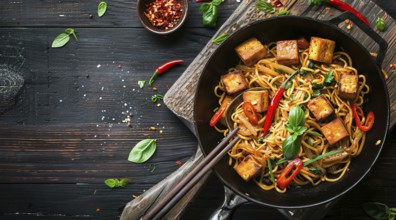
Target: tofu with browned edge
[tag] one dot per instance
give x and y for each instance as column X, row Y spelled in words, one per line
column 348, row 86
column 234, row 82
column 248, row 168
column 251, row 51
column 259, row 99
column 320, row 107
column 287, row 52
column 334, row 131
column 321, row 50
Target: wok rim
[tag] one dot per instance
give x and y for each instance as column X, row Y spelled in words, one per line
column 349, row 186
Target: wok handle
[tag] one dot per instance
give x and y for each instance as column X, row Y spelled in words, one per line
column 383, row 45
column 231, row 202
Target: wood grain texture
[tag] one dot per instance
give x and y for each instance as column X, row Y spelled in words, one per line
column 60, row 142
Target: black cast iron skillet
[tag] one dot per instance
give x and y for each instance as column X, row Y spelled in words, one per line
column 285, row 28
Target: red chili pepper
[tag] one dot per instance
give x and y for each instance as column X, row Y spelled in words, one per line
column 369, row 119
column 292, row 169
column 278, row 4
column 163, row 68
column 216, row 117
column 340, row 5
column 274, row 103
column 250, row 112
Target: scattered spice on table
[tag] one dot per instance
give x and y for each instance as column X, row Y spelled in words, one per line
column 164, row 14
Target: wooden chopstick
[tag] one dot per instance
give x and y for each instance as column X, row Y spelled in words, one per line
column 175, row 194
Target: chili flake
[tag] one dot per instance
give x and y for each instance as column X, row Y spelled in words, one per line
column 164, row 14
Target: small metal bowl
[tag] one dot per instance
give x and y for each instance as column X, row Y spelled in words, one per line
column 141, row 9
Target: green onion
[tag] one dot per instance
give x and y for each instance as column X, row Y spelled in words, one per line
column 270, row 170
column 322, row 156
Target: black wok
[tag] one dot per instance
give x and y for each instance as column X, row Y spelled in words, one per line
column 285, row 28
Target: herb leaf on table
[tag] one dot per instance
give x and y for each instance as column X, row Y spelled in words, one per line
column 63, row 38
column 143, row 151
column 102, row 7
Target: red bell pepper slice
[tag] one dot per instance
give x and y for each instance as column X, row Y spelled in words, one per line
column 216, row 117
column 369, row 119
column 250, row 112
column 292, row 169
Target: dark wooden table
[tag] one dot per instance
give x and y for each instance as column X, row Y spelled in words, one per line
column 66, row 133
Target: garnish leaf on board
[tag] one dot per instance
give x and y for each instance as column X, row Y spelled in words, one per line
column 142, row 151
column 222, row 37
column 102, row 7
column 380, row 24
column 265, row 6
column 284, row 12
column 156, row 97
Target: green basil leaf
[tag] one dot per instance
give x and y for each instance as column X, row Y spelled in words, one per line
column 141, row 83
column 102, row 7
column 218, row 40
column 123, row 182
column 204, row 7
column 329, row 78
column 296, row 116
column 316, row 93
column 380, row 24
column 111, row 183
column 376, row 210
column 71, row 31
column 209, row 17
column 300, row 130
column 61, row 40
column 217, row 2
column 142, row 151
column 265, row 7
column 291, row 146
column 290, row 128
column 284, row 12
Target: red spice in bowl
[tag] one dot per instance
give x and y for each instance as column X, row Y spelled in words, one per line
column 164, row 14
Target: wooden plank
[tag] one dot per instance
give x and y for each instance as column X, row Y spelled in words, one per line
column 119, row 14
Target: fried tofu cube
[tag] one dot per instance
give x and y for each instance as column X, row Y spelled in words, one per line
column 348, row 86
column 259, row 99
column 251, row 51
column 234, row 82
column 334, row 131
column 321, row 50
column 320, row 107
column 287, row 52
column 248, row 168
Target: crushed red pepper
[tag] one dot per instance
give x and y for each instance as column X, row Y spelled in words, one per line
column 164, row 14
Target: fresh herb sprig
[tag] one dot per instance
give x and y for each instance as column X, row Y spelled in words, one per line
column 264, row 6
column 102, row 7
column 220, row 39
column 380, row 24
column 210, row 12
column 116, row 183
column 141, row 83
column 291, row 145
column 317, row 2
column 63, row 38
column 156, row 97
column 143, row 151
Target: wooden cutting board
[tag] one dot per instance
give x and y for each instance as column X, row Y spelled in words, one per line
column 180, row 97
